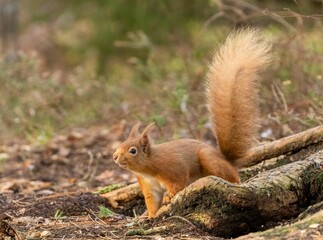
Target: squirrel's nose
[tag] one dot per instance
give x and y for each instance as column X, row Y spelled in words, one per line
column 115, row 157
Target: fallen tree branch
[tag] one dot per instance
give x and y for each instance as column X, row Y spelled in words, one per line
column 124, row 194
column 230, row 210
column 283, row 146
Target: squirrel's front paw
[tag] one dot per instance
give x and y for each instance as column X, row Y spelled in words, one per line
column 167, row 198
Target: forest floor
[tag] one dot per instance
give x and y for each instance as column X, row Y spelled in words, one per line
column 48, row 192
column 51, row 192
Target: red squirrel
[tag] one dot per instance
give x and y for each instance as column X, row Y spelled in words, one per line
column 164, row 169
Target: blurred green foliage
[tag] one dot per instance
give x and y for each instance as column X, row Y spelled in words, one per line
column 103, row 61
column 98, row 29
column 108, row 22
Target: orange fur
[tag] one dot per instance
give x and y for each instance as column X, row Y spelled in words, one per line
column 164, row 169
column 232, row 91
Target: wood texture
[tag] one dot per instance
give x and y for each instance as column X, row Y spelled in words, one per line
column 230, row 210
column 283, row 146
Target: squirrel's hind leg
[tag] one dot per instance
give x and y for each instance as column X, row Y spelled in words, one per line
column 214, row 165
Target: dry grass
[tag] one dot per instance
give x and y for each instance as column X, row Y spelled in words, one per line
column 167, row 85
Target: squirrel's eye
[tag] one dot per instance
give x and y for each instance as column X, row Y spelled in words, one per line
column 133, row 150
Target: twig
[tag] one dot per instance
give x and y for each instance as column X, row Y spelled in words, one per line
column 273, row 15
column 293, row 14
column 279, row 95
column 247, row 5
column 73, row 223
column 90, row 211
column 89, row 169
column 67, row 194
column 9, row 229
column 143, row 232
column 211, row 19
column 180, row 218
column 21, row 204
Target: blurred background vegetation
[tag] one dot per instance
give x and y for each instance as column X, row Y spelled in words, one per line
column 77, row 63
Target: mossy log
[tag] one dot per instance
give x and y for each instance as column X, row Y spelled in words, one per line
column 231, row 210
column 310, row 227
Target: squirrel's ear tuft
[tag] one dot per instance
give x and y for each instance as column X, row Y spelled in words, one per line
column 145, row 141
column 148, row 129
column 135, row 131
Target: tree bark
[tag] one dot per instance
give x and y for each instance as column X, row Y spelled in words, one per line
column 124, row 194
column 308, row 228
column 231, row 210
column 283, row 146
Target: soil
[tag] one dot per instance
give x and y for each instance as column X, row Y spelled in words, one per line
column 48, row 192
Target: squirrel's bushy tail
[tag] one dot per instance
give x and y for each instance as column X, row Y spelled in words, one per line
column 232, row 91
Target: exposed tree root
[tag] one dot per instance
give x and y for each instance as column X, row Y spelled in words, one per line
column 308, row 228
column 230, row 210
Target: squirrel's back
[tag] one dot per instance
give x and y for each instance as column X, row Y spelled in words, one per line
column 232, row 91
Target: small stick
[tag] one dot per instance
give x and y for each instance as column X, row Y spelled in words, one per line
column 122, row 194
